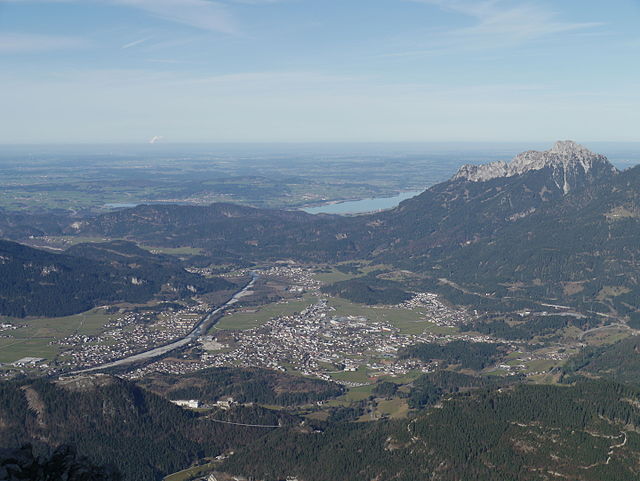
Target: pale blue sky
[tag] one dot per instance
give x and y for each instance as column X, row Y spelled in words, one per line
column 319, row 70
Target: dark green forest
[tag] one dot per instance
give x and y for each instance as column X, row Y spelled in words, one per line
column 244, row 385
column 114, row 422
column 34, row 282
column 619, row 361
column 479, row 431
column 519, row 434
column 473, row 355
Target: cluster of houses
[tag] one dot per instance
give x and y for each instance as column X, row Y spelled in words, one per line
column 127, row 334
column 318, row 342
column 435, row 310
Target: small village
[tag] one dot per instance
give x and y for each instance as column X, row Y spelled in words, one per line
column 318, row 340
column 321, row 342
column 129, row 334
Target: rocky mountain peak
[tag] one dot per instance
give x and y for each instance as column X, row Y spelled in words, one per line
column 569, row 147
column 570, row 164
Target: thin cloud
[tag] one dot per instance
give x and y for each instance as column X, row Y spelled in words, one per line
column 497, row 23
column 135, row 43
column 520, row 22
column 169, row 61
column 31, row 43
column 200, row 14
column 257, row 2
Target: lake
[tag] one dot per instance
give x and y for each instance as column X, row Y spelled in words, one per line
column 362, row 206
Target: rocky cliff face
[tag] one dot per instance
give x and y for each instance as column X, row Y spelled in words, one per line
column 64, row 464
column 569, row 163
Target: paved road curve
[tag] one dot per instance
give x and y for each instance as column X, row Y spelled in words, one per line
column 162, row 350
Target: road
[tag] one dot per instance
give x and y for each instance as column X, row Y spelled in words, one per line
column 195, row 333
column 608, row 326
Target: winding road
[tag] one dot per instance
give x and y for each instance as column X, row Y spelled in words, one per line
column 195, row 333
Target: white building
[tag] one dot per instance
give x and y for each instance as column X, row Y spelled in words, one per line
column 187, row 403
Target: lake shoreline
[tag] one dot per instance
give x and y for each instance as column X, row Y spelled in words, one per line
column 362, row 206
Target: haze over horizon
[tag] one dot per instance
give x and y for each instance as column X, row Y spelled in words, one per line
column 298, row 71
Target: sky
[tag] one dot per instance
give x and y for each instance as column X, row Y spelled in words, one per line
column 85, row 71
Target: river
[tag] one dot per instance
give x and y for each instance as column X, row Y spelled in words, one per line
column 162, row 350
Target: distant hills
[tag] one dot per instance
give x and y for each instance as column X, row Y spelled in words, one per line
column 557, row 226
column 552, row 227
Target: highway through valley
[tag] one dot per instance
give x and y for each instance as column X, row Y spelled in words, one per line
column 197, row 331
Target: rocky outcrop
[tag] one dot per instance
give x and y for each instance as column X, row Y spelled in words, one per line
column 569, row 163
column 484, row 172
column 64, row 464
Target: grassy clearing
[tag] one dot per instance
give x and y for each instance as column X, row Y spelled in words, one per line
column 406, row 325
column 515, row 355
column 608, row 292
column 361, row 375
column 318, row 416
column 409, row 321
column 496, row 373
column 33, row 337
column 250, row 320
column 541, row 365
column 605, row 335
column 547, row 379
column 358, row 393
column 336, row 276
column 13, row 349
column 394, row 408
column 89, row 323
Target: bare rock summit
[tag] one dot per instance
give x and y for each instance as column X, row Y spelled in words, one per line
column 569, row 164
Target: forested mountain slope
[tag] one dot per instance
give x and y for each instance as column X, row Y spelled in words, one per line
column 227, row 230
column 444, row 216
column 23, row 465
column 557, row 226
column 244, row 385
column 114, row 422
column 619, row 361
column 582, row 251
column 34, row 282
column 20, row 225
column 586, row 432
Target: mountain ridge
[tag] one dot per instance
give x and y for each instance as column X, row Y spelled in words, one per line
column 482, row 235
column 35, row 282
column 568, row 161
